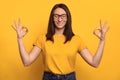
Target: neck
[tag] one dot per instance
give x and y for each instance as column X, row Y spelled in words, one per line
column 59, row 31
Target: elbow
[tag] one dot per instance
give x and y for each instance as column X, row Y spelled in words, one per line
column 95, row 65
column 26, row 64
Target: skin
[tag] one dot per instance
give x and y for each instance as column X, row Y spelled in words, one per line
column 60, row 23
column 28, row 58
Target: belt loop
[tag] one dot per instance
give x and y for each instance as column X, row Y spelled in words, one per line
column 58, row 76
column 65, row 75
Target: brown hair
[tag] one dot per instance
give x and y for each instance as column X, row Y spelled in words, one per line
column 68, row 33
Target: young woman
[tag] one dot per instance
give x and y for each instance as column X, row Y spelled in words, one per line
column 60, row 46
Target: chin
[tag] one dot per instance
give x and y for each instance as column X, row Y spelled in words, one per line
column 60, row 27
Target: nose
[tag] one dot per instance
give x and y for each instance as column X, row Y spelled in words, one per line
column 59, row 19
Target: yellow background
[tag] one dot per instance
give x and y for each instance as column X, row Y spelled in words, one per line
column 34, row 14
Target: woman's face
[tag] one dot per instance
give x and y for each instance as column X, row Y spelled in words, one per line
column 60, row 18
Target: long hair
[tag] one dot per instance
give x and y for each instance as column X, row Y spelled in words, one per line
column 68, row 33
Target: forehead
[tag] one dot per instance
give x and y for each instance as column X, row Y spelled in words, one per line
column 59, row 11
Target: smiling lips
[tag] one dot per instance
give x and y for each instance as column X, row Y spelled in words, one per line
column 60, row 23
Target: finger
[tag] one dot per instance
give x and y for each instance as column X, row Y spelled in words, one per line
column 104, row 25
column 100, row 23
column 97, row 29
column 13, row 27
column 96, row 34
column 25, row 29
column 19, row 22
column 15, row 24
column 108, row 28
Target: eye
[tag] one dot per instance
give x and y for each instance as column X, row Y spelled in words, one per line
column 56, row 15
column 63, row 15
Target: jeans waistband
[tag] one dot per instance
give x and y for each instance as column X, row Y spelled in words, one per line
column 50, row 73
column 53, row 76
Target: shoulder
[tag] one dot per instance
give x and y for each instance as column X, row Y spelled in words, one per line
column 77, row 37
column 42, row 37
column 79, row 41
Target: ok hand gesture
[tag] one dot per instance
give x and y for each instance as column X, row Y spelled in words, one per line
column 101, row 32
column 20, row 30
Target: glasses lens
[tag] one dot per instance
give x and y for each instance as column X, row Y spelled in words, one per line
column 57, row 16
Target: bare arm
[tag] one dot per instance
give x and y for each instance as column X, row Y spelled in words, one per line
column 27, row 58
column 86, row 54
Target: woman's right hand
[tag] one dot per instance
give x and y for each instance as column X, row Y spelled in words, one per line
column 21, row 30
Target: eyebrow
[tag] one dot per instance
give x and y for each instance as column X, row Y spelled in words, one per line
column 60, row 14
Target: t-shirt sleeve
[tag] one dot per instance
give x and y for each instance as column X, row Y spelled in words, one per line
column 81, row 44
column 39, row 42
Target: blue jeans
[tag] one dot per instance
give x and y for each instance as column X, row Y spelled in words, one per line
column 51, row 76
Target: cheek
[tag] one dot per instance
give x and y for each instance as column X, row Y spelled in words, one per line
column 55, row 23
column 65, row 22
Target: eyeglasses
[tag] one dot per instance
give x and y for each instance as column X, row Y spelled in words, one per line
column 62, row 16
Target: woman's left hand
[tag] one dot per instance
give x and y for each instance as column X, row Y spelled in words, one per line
column 101, row 32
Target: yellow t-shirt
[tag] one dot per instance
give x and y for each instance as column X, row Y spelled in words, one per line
column 60, row 57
